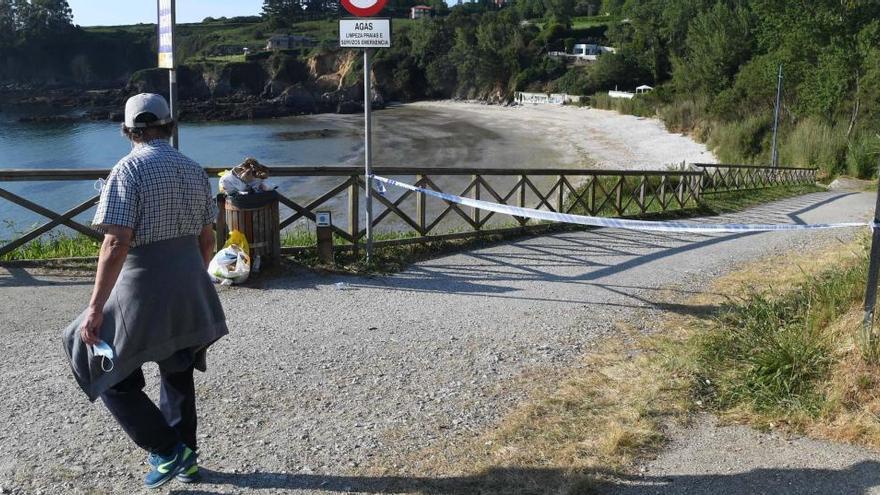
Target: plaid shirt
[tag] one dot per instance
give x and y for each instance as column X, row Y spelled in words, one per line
column 157, row 192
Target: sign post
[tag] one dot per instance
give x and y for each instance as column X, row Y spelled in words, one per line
column 366, row 32
column 167, row 21
column 873, row 274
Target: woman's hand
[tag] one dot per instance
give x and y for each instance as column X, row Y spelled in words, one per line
column 114, row 249
column 91, row 326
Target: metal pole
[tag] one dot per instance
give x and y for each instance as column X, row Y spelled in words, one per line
column 368, row 158
column 774, row 160
column 873, row 272
column 172, row 79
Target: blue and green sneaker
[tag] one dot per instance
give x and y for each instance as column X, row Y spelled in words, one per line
column 166, row 467
column 188, row 475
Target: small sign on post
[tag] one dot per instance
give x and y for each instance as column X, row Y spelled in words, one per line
column 324, row 232
column 366, row 33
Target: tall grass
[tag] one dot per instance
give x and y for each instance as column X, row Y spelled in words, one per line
column 744, row 142
column 863, row 155
column 775, row 355
column 813, row 143
column 636, row 106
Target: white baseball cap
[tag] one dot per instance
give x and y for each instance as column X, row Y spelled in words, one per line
column 143, row 103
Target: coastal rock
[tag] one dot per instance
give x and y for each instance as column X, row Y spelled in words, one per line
column 345, row 107
column 300, row 99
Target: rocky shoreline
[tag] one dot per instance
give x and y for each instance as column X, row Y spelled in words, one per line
column 79, row 105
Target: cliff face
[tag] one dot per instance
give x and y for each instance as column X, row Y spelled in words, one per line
column 266, row 85
column 279, row 84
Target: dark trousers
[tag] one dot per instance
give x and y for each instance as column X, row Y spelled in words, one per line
column 156, row 429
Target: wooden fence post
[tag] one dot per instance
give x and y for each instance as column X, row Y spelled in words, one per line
column 476, row 212
column 421, row 206
column 560, row 196
column 354, row 212
column 642, row 186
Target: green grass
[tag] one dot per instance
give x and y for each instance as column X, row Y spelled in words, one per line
column 638, row 106
column 733, row 201
column 585, row 22
column 226, row 59
column 55, row 246
column 197, row 41
column 774, row 354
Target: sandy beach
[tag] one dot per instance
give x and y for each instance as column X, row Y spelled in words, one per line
column 578, row 136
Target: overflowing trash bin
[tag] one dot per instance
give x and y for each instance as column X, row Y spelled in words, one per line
column 251, row 208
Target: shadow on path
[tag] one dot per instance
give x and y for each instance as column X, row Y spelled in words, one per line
column 857, row 479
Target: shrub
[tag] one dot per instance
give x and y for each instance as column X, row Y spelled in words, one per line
column 639, row 106
column 813, row 143
column 685, row 114
column 744, row 141
column 862, row 156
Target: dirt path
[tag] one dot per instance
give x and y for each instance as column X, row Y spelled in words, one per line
column 316, row 385
column 708, row 459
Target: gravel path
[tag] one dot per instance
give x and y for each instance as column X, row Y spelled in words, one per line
column 314, row 384
column 706, row 459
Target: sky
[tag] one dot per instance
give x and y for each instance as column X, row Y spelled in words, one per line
column 117, row 12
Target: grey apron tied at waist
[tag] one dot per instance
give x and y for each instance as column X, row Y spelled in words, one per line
column 162, row 309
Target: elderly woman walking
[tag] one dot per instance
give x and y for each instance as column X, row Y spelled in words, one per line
column 152, row 300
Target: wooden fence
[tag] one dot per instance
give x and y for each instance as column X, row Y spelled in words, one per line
column 591, row 192
column 724, row 178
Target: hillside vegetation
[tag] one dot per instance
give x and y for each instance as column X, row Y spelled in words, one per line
column 714, row 63
column 717, row 62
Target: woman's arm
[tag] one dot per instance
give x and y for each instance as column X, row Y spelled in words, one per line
column 114, row 250
column 206, row 244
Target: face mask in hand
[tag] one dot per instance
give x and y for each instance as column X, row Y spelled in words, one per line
column 103, row 349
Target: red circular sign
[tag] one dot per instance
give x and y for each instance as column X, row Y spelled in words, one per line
column 363, row 8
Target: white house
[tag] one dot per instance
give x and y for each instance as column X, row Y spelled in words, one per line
column 419, row 11
column 289, row 41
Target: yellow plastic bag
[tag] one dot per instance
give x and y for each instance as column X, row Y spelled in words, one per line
column 238, row 238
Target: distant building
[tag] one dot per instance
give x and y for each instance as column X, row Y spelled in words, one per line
column 289, row 42
column 583, row 53
column 420, row 11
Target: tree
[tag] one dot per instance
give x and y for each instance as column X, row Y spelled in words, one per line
column 719, row 42
column 282, row 12
column 7, row 22
column 37, row 19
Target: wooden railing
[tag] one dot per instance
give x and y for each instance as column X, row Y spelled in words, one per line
column 591, row 192
column 723, row 178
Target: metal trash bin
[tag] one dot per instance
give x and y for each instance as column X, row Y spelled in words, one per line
column 256, row 216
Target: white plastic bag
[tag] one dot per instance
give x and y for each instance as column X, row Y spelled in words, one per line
column 231, row 265
column 230, row 184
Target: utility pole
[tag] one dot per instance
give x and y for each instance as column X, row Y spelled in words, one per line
column 774, row 159
column 368, row 151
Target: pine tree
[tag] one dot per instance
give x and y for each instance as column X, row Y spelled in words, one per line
column 282, row 12
column 7, row 22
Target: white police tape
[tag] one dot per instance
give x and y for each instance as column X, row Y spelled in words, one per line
column 618, row 223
